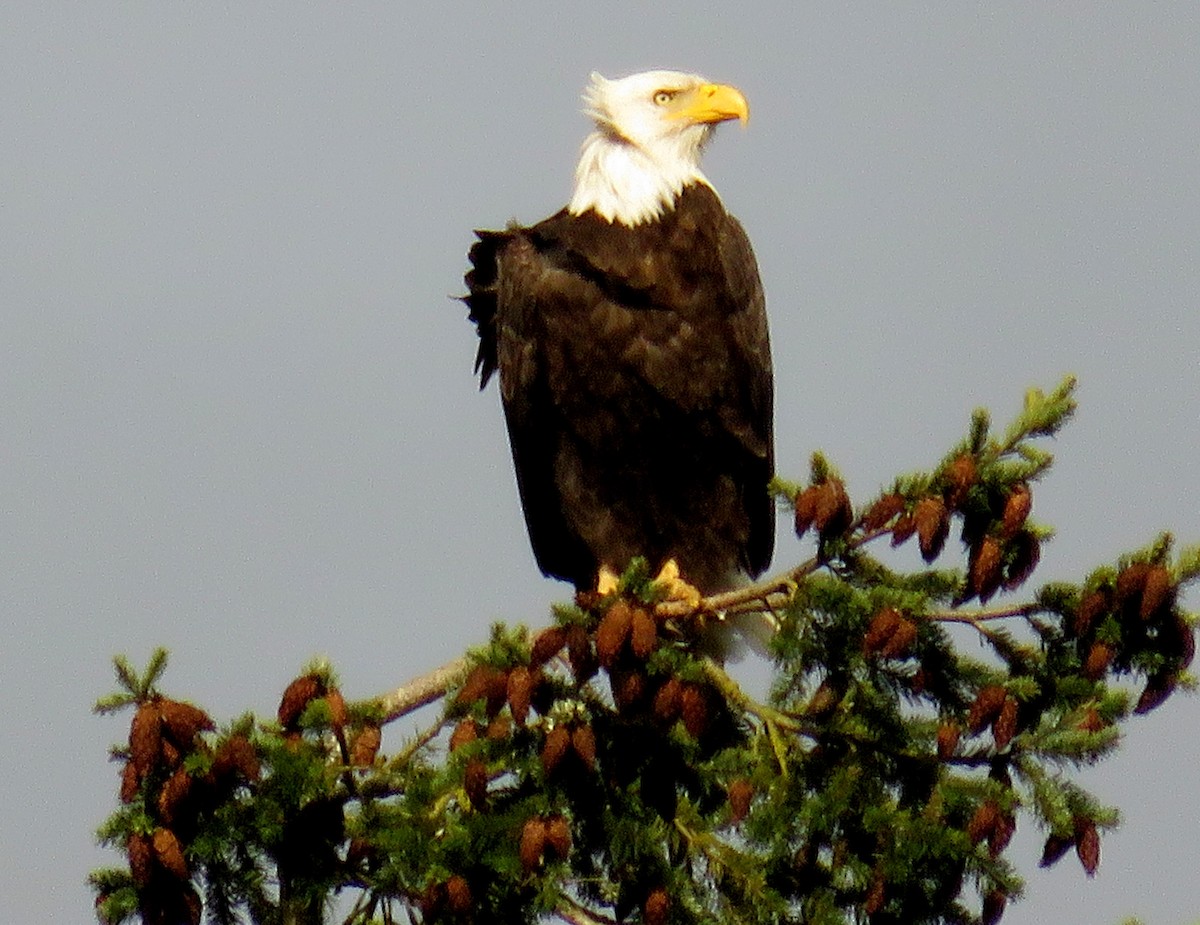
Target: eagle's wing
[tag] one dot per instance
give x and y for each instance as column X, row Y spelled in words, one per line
column 505, row 309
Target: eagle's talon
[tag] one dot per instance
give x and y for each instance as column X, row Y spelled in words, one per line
column 676, row 588
column 607, row 581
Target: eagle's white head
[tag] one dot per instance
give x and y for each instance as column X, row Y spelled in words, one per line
column 651, row 129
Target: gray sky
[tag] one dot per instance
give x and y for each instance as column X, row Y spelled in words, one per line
column 238, row 412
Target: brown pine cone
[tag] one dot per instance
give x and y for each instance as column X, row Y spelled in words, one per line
column 986, row 707
column 366, row 746
column 656, row 908
column 532, row 845
column 296, row 697
column 1087, row 845
column 947, row 739
column 520, row 692
column 1004, row 727
column 741, row 792
column 183, row 722
column 882, row 512
column 668, row 701
column 169, row 853
column 694, row 708
column 613, row 632
column 549, row 643
column 145, row 738
column 475, row 782
column 465, row 732
column 933, row 526
column 643, row 637
column 554, row 749
column 583, row 743
column 961, row 476
column 458, row 895
column 1016, row 510
column 558, row 836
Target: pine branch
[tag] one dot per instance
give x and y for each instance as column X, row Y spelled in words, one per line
column 422, row 690
column 605, row 769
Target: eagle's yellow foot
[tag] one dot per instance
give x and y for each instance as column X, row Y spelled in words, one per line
column 677, row 589
column 607, row 581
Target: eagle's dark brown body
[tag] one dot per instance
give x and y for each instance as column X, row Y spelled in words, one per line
column 635, row 374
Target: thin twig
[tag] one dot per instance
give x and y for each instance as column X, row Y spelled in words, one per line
column 419, row 742
column 982, row 616
column 731, row 690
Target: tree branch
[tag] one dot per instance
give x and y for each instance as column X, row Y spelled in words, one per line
column 573, row 913
column 420, row 691
column 982, row 616
column 770, row 594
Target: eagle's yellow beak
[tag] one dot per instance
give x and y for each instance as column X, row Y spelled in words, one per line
column 711, row 103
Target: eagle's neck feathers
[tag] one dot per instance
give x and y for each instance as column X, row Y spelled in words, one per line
column 631, row 184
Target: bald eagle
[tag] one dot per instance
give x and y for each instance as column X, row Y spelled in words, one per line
column 630, row 334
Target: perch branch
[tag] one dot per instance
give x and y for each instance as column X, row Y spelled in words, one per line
column 770, row 594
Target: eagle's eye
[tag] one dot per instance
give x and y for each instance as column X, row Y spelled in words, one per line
column 662, row 97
